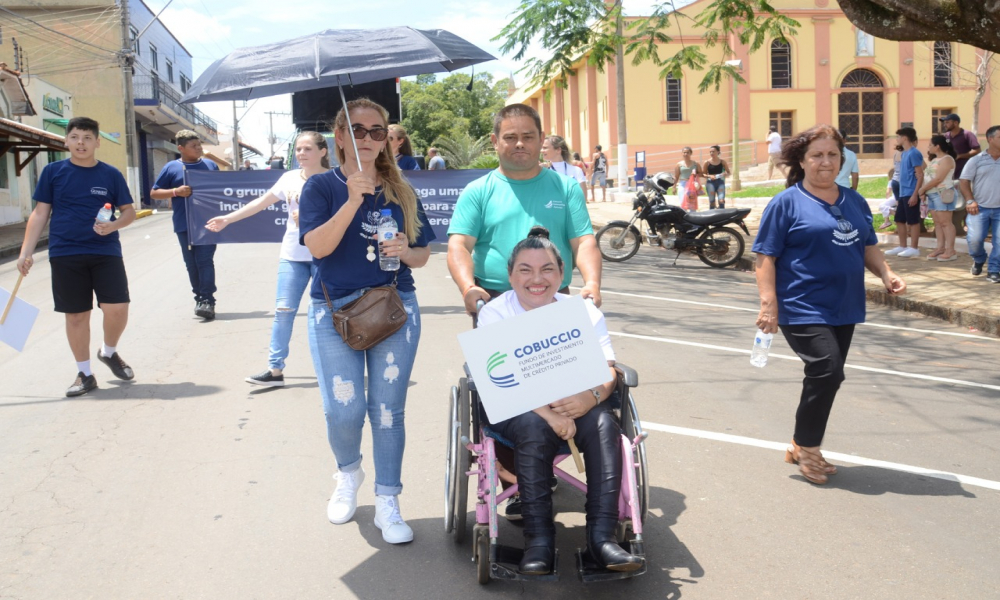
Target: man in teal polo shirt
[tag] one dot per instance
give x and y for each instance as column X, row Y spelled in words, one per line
column 496, row 211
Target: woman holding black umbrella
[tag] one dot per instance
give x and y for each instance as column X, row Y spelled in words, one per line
column 338, row 219
column 815, row 241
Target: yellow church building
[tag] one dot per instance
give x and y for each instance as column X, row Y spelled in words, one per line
column 829, row 71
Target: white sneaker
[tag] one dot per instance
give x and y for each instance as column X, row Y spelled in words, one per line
column 394, row 529
column 909, row 253
column 895, row 251
column 344, row 501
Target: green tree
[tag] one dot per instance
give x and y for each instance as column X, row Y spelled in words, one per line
column 462, row 150
column 571, row 29
column 445, row 109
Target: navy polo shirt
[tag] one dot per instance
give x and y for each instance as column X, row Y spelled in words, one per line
column 820, row 266
column 77, row 194
column 172, row 176
column 347, row 269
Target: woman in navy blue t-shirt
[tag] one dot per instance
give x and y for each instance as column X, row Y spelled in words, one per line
column 402, row 151
column 338, row 216
column 815, row 240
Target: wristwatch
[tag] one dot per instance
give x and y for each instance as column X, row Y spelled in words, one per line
column 597, row 395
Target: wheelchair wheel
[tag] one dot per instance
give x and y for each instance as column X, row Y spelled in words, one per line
column 631, row 426
column 451, row 462
column 482, row 555
column 462, row 462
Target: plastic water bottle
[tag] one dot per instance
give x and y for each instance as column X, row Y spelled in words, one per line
column 104, row 215
column 386, row 231
column 761, row 344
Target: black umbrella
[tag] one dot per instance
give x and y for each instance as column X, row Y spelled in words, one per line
column 333, row 58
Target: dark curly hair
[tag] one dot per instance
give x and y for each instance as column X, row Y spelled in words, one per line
column 942, row 142
column 793, row 151
column 538, row 239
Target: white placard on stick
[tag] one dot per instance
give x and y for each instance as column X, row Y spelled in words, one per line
column 535, row 358
column 20, row 319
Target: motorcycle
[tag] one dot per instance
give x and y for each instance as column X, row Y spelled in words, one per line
column 671, row 227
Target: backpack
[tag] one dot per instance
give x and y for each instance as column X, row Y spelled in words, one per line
column 601, row 163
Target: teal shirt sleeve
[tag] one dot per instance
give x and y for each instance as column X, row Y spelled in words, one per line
column 467, row 218
column 579, row 216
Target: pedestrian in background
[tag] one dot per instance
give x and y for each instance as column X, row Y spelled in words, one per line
column 556, row 154
column 911, row 173
column 171, row 184
column 980, row 185
column 716, row 170
column 939, row 189
column 815, row 241
column 435, row 162
column 85, row 256
column 848, row 176
column 339, row 213
column 599, row 174
column 687, row 174
column 888, row 208
column 276, row 163
column 295, row 265
column 402, row 151
column 966, row 145
column 774, row 153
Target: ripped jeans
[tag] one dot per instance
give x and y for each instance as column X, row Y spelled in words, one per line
column 340, row 371
column 293, row 279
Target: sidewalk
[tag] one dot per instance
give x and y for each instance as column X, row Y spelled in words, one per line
column 11, row 237
column 942, row 290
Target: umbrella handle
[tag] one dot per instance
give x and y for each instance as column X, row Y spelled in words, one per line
column 10, row 302
column 350, row 128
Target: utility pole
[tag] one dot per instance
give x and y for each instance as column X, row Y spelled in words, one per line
column 126, row 58
column 237, row 152
column 270, row 128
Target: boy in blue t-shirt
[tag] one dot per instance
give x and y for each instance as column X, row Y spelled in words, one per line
column 171, row 184
column 85, row 255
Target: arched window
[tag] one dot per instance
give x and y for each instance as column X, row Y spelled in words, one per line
column 781, row 64
column 674, row 107
column 942, row 64
column 861, row 78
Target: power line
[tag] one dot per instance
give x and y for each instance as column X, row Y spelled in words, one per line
column 59, row 33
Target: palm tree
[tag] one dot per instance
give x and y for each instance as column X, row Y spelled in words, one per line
column 460, row 150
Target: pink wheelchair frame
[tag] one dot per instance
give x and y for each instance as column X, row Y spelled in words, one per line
column 495, row 561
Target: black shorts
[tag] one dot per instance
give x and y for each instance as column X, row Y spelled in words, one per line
column 906, row 213
column 76, row 279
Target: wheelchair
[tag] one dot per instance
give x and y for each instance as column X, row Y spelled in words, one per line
column 470, row 441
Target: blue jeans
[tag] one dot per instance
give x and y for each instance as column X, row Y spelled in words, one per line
column 716, row 188
column 340, row 371
column 293, row 278
column 986, row 221
column 200, row 263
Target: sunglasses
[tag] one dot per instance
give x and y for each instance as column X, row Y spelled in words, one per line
column 837, row 214
column 376, row 133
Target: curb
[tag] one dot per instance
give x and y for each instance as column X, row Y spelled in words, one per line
column 43, row 242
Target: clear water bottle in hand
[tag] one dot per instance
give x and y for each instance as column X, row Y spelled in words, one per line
column 386, row 231
column 761, row 345
column 104, row 215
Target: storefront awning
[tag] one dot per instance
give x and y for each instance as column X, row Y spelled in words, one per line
column 20, row 138
column 62, row 123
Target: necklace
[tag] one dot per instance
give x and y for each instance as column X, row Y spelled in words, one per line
column 371, row 249
column 302, row 174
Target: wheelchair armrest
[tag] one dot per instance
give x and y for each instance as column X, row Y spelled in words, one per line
column 627, row 375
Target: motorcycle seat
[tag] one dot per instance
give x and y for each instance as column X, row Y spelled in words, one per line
column 715, row 215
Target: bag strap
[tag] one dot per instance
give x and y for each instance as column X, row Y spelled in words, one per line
column 327, row 295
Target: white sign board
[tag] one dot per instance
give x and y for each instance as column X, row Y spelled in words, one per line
column 535, row 358
column 16, row 327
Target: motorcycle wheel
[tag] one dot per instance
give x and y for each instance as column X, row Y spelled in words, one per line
column 722, row 247
column 617, row 242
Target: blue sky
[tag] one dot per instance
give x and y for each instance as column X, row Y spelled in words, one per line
column 210, row 29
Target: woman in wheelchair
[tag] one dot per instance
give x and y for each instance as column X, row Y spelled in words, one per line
column 535, row 269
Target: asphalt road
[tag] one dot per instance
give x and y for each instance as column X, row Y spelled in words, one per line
column 188, row 483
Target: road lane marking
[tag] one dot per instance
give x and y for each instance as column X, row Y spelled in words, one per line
column 704, row 279
column 755, row 310
column 796, row 358
column 838, row 456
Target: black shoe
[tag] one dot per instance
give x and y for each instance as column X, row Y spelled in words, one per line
column 206, row 311
column 266, row 379
column 117, row 365
column 539, row 556
column 994, row 277
column 605, row 551
column 513, row 510
column 977, row 268
column 82, row 385
column 197, row 307
column 554, row 483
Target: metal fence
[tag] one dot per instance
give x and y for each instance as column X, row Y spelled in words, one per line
column 666, row 161
column 150, row 87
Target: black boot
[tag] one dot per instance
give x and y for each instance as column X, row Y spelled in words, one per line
column 605, row 551
column 539, row 556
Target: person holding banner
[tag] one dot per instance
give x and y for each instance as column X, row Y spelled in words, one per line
column 295, row 266
column 402, row 151
column 339, row 213
column 535, row 271
column 85, row 255
column 170, row 185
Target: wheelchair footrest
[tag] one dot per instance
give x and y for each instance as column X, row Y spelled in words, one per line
column 590, row 572
column 507, row 560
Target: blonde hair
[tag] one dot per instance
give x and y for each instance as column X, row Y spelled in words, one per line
column 399, row 131
column 396, row 189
